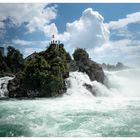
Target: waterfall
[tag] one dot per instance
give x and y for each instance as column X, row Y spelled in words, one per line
column 124, row 83
column 3, row 86
column 79, row 85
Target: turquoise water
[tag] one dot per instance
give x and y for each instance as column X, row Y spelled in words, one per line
column 64, row 117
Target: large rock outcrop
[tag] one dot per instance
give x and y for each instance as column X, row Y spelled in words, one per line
column 15, row 86
column 83, row 63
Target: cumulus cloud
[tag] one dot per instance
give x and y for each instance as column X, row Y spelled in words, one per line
column 88, row 31
column 2, row 28
column 36, row 16
column 26, row 42
column 124, row 50
column 22, row 42
column 29, row 47
column 50, row 29
column 129, row 19
column 123, row 44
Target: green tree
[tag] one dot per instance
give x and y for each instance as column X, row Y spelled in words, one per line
column 80, row 54
column 3, row 65
column 14, row 59
column 68, row 57
column 35, row 71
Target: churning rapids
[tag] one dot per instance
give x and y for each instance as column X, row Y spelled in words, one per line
column 115, row 111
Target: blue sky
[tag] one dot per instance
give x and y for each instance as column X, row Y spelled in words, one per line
column 109, row 32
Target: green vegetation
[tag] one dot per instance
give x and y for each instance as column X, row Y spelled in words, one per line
column 35, row 70
column 45, row 73
column 80, row 54
column 13, row 62
column 14, row 59
column 3, row 65
column 85, row 64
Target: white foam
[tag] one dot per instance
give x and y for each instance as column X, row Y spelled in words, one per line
column 3, row 86
column 123, row 83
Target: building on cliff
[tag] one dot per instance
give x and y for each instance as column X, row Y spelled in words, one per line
column 2, row 50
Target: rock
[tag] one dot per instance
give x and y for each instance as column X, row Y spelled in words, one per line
column 93, row 70
column 33, row 93
column 85, row 64
column 73, row 66
column 16, row 88
column 89, row 88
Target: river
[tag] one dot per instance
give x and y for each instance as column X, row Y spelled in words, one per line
column 114, row 112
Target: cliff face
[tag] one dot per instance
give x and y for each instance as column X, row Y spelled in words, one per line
column 44, row 74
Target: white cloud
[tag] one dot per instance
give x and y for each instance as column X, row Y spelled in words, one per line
column 2, row 28
column 50, row 29
column 130, row 18
column 125, row 50
column 26, row 42
column 28, row 47
column 100, row 50
column 89, row 31
column 1, row 25
column 35, row 15
column 22, row 42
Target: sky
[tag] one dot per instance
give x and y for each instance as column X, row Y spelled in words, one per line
column 109, row 32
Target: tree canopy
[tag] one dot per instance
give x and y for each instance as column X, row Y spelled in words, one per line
column 80, row 54
column 14, row 59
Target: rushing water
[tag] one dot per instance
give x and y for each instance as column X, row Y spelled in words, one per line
column 3, row 86
column 114, row 112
